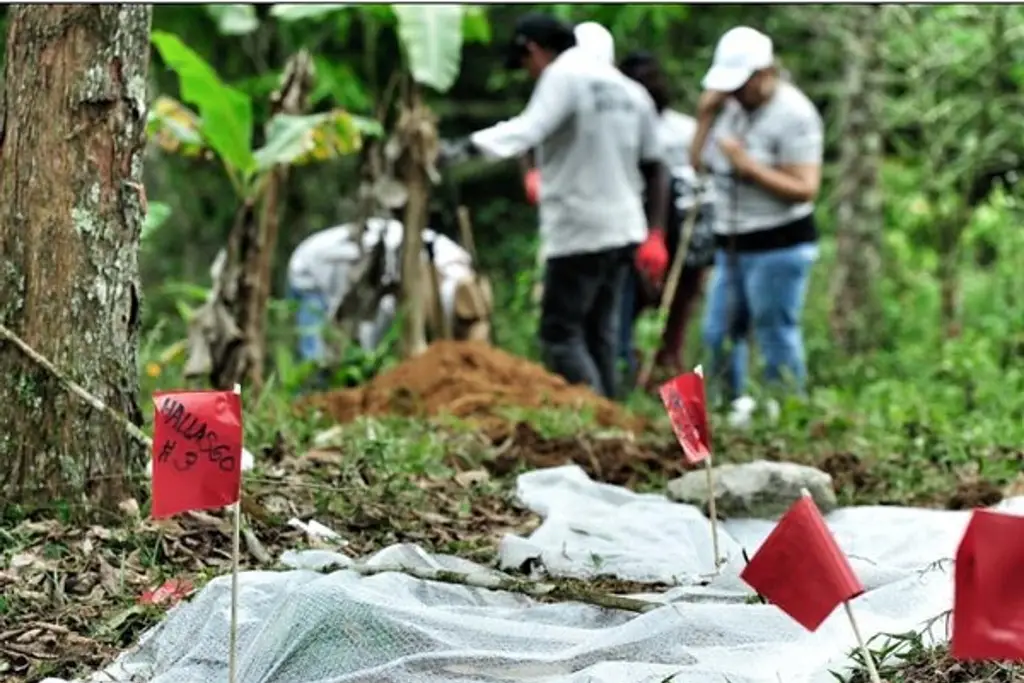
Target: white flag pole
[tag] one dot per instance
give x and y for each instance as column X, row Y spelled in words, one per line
column 712, row 511
column 235, row 552
column 869, row 661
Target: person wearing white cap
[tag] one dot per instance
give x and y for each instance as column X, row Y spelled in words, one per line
column 762, row 141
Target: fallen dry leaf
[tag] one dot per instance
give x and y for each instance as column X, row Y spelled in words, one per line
column 470, row 478
column 129, row 507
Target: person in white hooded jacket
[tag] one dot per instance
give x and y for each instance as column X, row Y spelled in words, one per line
column 594, row 137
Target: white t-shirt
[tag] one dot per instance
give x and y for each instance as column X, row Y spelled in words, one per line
column 786, row 130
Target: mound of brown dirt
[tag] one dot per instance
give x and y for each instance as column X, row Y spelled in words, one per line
column 469, row 380
column 614, row 460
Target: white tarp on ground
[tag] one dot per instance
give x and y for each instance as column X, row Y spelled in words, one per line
column 302, row 626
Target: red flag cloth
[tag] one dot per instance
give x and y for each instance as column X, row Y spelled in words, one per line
column 800, row 569
column 197, row 451
column 687, row 409
column 988, row 598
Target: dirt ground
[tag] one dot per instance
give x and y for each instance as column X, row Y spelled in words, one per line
column 616, row 460
column 937, row 666
column 469, row 380
column 479, row 384
column 74, row 595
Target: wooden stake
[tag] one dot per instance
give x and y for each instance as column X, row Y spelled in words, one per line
column 671, row 285
column 712, row 513
column 469, row 244
column 235, row 553
column 466, row 233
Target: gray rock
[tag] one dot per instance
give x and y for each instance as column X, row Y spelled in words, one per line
column 757, row 490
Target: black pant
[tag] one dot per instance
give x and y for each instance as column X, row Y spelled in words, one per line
column 579, row 319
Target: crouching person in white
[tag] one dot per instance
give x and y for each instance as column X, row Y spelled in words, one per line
column 328, row 267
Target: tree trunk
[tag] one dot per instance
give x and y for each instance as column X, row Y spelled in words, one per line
column 855, row 297
column 227, row 339
column 949, row 291
column 415, row 126
column 71, row 211
column 951, row 228
column 291, row 97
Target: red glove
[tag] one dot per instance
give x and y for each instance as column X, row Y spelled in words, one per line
column 531, row 183
column 652, row 256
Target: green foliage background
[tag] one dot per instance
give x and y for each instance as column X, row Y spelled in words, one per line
column 951, row 77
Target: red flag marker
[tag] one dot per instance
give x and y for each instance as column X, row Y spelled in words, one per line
column 197, row 451
column 686, row 404
column 800, row 568
column 988, row 598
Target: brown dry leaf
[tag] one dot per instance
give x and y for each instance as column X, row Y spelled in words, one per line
column 277, row 505
column 20, row 561
column 129, row 507
column 29, row 562
column 1015, row 487
column 434, row 518
column 42, row 528
column 470, row 478
column 108, row 578
column 324, row 457
column 207, row 519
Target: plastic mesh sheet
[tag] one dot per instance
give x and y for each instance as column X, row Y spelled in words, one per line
column 303, row 626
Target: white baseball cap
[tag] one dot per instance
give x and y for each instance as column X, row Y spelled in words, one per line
column 740, row 53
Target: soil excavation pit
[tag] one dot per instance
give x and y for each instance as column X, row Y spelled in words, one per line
column 472, row 381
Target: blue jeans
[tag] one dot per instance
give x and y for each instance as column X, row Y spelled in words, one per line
column 310, row 320
column 765, row 291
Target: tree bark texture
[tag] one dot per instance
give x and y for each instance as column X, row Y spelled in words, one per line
column 417, row 127
column 71, row 212
column 858, row 194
